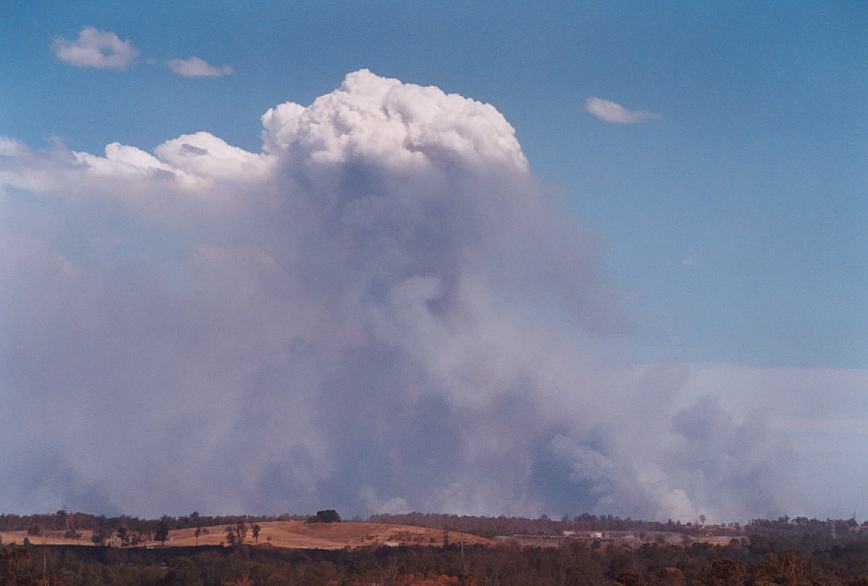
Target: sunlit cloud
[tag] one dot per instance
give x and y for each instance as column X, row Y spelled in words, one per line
column 95, row 48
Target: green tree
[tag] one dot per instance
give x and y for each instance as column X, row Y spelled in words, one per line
column 194, row 519
column 182, row 572
column 61, row 519
column 162, row 532
column 724, row 572
column 240, row 533
column 328, row 516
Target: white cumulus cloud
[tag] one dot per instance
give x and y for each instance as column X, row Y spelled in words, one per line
column 373, row 118
column 614, row 112
column 95, row 48
column 196, row 67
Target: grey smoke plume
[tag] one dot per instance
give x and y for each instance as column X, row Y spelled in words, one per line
column 381, row 311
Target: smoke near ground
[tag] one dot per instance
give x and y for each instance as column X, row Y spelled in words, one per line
column 382, row 311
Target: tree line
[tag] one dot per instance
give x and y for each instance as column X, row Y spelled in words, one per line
column 573, row 564
column 61, row 520
column 793, row 528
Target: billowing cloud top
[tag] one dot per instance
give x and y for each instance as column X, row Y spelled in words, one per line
column 380, row 310
column 95, row 48
column 379, row 119
column 369, row 120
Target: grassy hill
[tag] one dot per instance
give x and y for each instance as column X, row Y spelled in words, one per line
column 285, row 534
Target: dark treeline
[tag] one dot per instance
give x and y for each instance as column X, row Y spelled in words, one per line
column 63, row 520
column 794, row 529
column 783, row 528
column 491, row 526
column 574, row 564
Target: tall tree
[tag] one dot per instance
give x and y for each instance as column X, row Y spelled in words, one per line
column 61, row 519
column 240, row 532
column 194, row 519
column 162, row 532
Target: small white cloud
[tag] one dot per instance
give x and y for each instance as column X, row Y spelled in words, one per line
column 195, row 67
column 689, row 261
column 616, row 113
column 95, row 48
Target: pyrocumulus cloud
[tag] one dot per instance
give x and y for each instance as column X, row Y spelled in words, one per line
column 382, row 310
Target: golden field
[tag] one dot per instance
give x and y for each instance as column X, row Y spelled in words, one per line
column 285, row 534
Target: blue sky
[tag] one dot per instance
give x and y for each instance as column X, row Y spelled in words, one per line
column 731, row 212
column 735, row 222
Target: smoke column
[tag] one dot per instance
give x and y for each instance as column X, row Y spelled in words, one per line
column 381, row 311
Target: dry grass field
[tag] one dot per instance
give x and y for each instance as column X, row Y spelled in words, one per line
column 48, row 537
column 286, row 534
